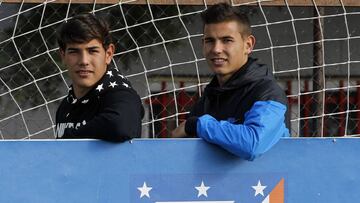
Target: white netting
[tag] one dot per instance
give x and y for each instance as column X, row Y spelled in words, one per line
column 313, row 51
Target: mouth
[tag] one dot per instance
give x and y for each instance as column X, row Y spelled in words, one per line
column 218, row 61
column 83, row 73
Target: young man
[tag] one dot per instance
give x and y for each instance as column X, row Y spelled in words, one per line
column 101, row 103
column 243, row 109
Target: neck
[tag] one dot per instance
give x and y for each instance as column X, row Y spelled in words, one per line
column 80, row 92
column 222, row 79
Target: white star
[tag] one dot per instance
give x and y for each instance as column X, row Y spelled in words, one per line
column 113, row 84
column 144, row 190
column 202, row 189
column 126, row 85
column 109, row 73
column 99, row 87
column 85, row 101
column 121, row 76
column 74, row 101
column 259, row 189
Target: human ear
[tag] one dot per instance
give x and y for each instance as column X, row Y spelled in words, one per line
column 249, row 44
column 109, row 53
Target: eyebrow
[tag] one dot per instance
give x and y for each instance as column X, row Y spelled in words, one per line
column 223, row 37
column 93, row 47
column 88, row 48
column 228, row 37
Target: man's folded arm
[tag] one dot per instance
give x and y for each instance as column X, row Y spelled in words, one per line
column 263, row 127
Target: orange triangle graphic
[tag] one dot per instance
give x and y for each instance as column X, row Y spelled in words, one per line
column 277, row 194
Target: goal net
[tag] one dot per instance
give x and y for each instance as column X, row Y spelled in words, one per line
column 311, row 46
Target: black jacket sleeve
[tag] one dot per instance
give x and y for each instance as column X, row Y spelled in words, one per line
column 118, row 120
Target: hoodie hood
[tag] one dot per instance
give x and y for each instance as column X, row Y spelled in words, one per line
column 112, row 79
column 247, row 74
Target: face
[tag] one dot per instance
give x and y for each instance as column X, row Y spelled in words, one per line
column 226, row 50
column 86, row 64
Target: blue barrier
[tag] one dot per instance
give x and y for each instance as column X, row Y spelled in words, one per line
column 178, row 171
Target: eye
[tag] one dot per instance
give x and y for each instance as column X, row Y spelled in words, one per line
column 92, row 51
column 227, row 40
column 71, row 51
column 207, row 41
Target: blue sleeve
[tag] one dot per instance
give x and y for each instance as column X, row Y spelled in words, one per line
column 263, row 127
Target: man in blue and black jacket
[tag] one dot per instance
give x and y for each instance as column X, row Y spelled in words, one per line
column 243, row 109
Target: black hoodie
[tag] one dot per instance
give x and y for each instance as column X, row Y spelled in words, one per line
column 111, row 111
column 253, row 82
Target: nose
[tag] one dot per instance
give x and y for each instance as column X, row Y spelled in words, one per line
column 84, row 59
column 217, row 47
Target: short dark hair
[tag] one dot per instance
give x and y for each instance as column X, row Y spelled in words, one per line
column 224, row 12
column 84, row 28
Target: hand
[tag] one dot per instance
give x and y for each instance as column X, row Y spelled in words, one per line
column 179, row 131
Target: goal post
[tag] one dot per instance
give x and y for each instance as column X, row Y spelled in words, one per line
column 311, row 46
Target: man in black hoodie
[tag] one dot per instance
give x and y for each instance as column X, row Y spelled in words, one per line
column 101, row 103
column 243, row 109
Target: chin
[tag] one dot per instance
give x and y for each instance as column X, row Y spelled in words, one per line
column 218, row 71
column 86, row 84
